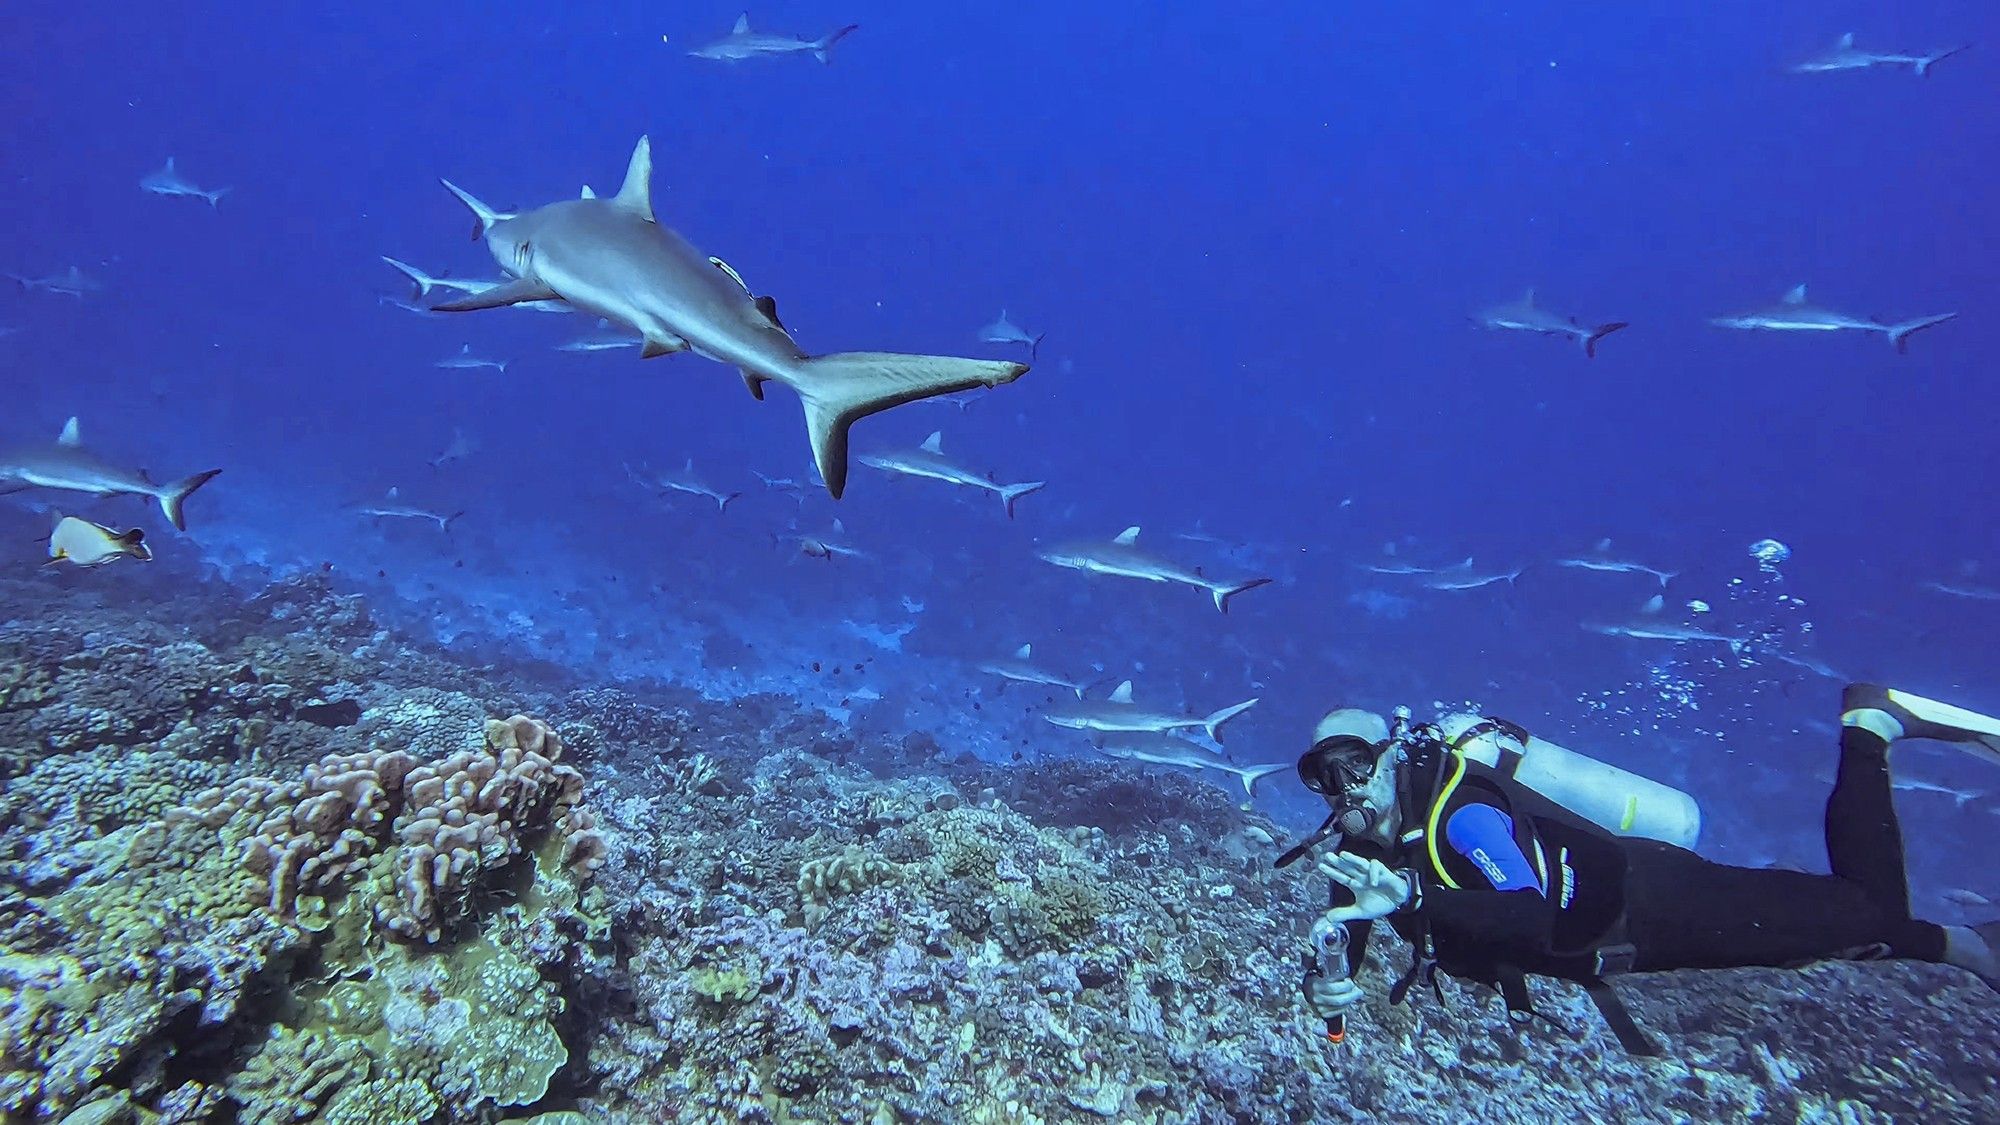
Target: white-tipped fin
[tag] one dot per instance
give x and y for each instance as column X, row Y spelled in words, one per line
column 1122, row 693
column 486, row 216
column 1127, row 537
column 587, row 193
column 1024, row 652
column 742, row 25
column 71, row 436
column 1797, row 296
column 636, row 194
column 933, row 443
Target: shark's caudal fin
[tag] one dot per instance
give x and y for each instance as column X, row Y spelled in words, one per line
column 841, row 389
column 176, row 494
column 1035, row 347
column 215, row 197
column 444, row 524
column 1222, row 593
column 722, row 502
column 418, row 278
column 1899, row 334
column 822, row 49
column 1251, row 775
column 1213, row 724
column 1925, row 64
column 1012, row 492
column 1589, row 339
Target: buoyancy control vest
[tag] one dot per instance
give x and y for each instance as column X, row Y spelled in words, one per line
column 1574, row 930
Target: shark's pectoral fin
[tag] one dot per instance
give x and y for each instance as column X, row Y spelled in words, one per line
column 500, row 296
column 755, row 383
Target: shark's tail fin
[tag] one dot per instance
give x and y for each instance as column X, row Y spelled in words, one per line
column 1213, row 724
column 1899, row 334
column 841, row 389
column 1035, row 347
column 722, row 501
column 1222, row 592
column 1251, row 775
column 418, row 278
column 215, row 197
column 176, row 494
column 1589, row 339
column 444, row 524
column 485, row 216
column 1012, row 492
column 822, row 49
column 1925, row 64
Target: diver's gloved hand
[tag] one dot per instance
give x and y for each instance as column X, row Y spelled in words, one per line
column 1378, row 891
column 1331, row 998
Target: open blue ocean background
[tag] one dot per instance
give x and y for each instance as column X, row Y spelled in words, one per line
column 1253, row 236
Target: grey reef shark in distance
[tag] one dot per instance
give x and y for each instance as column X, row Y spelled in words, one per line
column 169, row 181
column 68, row 466
column 1846, row 56
column 929, row 462
column 1794, row 313
column 742, row 43
column 72, row 282
column 1005, row 331
column 611, row 258
column 1525, row 315
column 1122, row 557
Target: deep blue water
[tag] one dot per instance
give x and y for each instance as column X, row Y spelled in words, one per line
column 1254, row 240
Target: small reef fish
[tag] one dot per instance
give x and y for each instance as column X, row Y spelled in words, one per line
column 169, row 181
column 68, row 466
column 85, row 543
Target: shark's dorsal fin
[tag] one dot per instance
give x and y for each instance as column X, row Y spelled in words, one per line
column 742, row 25
column 1796, row 296
column 392, row 493
column 587, row 193
column 1122, row 693
column 1127, row 537
column 1024, row 652
column 689, row 467
column 636, row 194
column 838, row 527
column 1528, row 298
column 1846, row 44
column 933, row 443
column 769, row 307
column 70, row 435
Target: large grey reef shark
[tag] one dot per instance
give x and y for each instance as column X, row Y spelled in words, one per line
column 169, row 181
column 1525, row 315
column 614, row 259
column 1794, row 313
column 742, row 43
column 67, row 465
column 1846, row 56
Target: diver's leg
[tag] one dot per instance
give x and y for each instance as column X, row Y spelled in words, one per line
column 1864, row 844
column 1896, row 715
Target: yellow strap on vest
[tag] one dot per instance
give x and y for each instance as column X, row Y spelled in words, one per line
column 1431, row 825
column 1631, row 812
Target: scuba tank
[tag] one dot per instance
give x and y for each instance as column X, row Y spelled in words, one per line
column 1619, row 802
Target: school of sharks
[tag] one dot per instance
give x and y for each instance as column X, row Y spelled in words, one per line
column 623, row 296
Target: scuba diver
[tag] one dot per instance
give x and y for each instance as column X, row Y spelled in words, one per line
column 1498, row 855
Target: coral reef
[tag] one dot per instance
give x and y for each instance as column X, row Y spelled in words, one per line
column 260, row 861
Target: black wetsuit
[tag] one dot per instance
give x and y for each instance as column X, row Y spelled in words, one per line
column 1609, row 904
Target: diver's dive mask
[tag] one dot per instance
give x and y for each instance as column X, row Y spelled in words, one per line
column 1337, row 767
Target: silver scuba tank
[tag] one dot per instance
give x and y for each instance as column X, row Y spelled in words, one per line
column 1619, row 802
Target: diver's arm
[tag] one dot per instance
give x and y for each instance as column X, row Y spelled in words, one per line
column 1485, row 835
